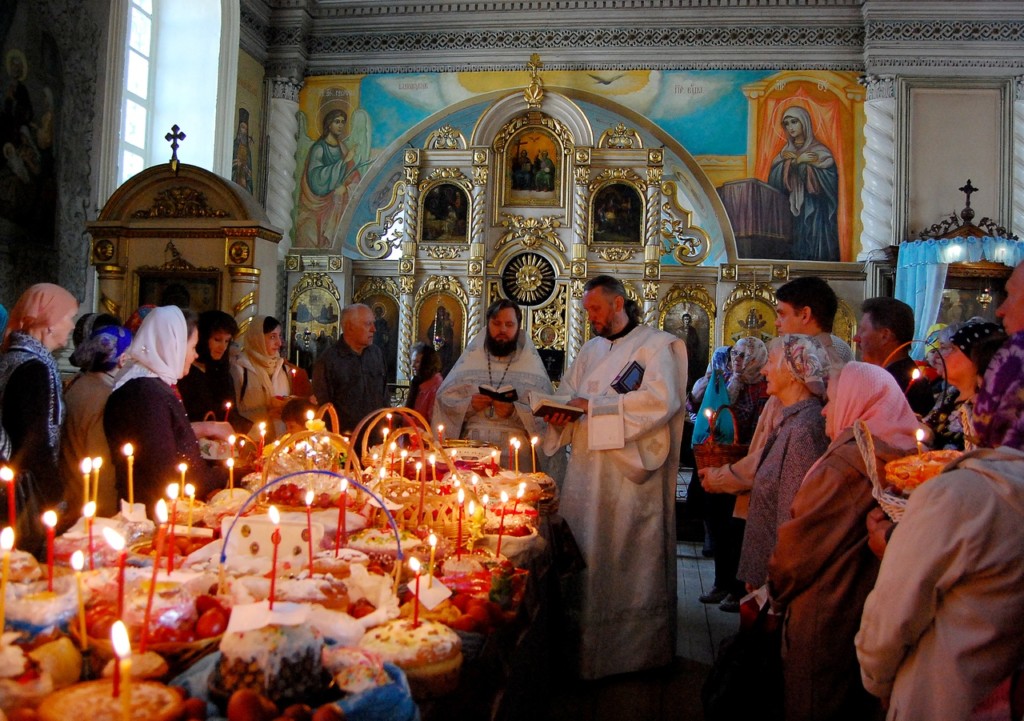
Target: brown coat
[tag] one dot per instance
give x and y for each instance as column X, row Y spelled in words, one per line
column 821, row 572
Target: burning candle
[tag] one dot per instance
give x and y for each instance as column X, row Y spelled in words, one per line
column 501, row 524
column 231, row 473
column 123, row 669
column 129, row 453
column 89, row 512
column 440, row 435
column 403, row 455
column 533, row 454
column 78, row 563
column 519, row 494
column 86, row 474
column 172, row 493
column 423, row 488
column 341, row 537
column 275, row 539
column 919, row 435
column 263, row 439
column 391, row 450
column 6, row 546
column 432, row 542
column 511, row 449
column 458, row 541
column 309, row 527
column 433, row 467
column 494, row 458
column 96, row 463
column 517, row 444
column 414, row 565
column 161, row 534
column 50, row 521
column 116, row 541
column 232, row 440
column 182, row 468
column 190, row 492
column 227, row 410
column 7, row 476
column 388, row 416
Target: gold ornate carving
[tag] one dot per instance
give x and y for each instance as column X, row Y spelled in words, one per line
column 480, row 156
column 654, row 176
column 247, row 300
column 243, row 273
column 443, row 284
column 652, row 270
column 335, row 262
column 293, row 262
column 412, row 176
column 686, row 294
column 749, row 311
column 444, row 174
column 531, row 232
column 620, row 137
column 180, row 202
column 687, row 243
column 406, row 266
column 548, row 324
column 554, row 125
column 780, row 273
column 376, row 239
column 102, row 251
column 446, row 138
column 479, row 175
column 110, row 306
column 442, row 252
column 476, row 287
column 412, row 156
column 728, row 272
column 534, row 94
column 475, row 267
column 577, row 287
column 375, row 286
column 582, row 156
column 406, row 283
column 655, row 156
column 621, row 175
column 239, row 252
column 651, row 290
column 581, row 174
column 616, row 254
column 175, row 261
column 578, row 269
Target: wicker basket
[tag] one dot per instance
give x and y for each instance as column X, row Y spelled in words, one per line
column 711, row 453
column 179, row 656
column 894, row 505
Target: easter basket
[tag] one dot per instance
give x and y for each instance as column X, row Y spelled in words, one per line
column 710, row 453
column 892, row 503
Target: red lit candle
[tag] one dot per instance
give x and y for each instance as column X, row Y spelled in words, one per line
column 275, row 539
column 309, row 528
column 414, row 564
column 7, row 476
column 116, row 541
column 78, row 563
column 50, row 521
column 161, row 534
column 341, row 537
column 227, row 410
column 501, row 524
column 440, row 435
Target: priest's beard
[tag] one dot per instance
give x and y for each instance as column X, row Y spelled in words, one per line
column 501, row 348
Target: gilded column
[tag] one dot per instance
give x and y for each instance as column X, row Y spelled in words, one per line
column 406, row 284
column 245, row 294
column 477, row 246
column 112, row 290
column 652, row 236
column 1017, row 209
column 879, row 168
column 282, row 143
column 576, row 317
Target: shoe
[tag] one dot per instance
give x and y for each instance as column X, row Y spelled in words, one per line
column 731, row 604
column 715, row 595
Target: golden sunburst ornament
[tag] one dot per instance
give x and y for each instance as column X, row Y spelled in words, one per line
column 528, row 279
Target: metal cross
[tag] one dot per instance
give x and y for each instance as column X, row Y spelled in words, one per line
column 175, row 135
column 968, row 189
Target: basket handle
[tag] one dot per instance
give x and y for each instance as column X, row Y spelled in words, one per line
column 713, row 422
column 866, row 445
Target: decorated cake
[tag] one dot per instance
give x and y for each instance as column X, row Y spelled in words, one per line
column 429, row 653
column 909, row 472
column 94, row 700
column 280, row 662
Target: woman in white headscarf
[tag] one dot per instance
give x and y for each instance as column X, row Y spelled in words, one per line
column 805, row 171
column 262, row 383
column 146, row 411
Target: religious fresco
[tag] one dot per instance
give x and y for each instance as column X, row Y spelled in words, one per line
column 246, row 159
column 780, row 148
column 29, row 119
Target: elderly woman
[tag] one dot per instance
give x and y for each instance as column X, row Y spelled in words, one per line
column 262, row 384
column 941, row 629
column 821, row 569
column 32, row 405
column 952, row 419
column 145, row 410
column 797, row 369
column 99, row 355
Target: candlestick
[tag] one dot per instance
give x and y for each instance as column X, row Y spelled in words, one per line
column 533, row 454
column 432, row 542
column 172, row 493
column 96, row 463
column 263, row 440
column 78, row 563
column 232, row 440
column 458, row 542
column 50, row 521
column 423, row 489
column 388, row 416
column 919, row 435
column 433, row 467
column 86, row 474
column 440, row 435
column 161, row 534
column 116, row 541
column 123, row 669
column 7, row 476
column 309, row 527
column 414, row 565
column 190, row 492
column 403, row 455
column 89, row 512
column 227, row 410
column 129, row 453
column 342, row 534
column 516, row 443
column 501, row 524
column 275, row 539
column 6, row 545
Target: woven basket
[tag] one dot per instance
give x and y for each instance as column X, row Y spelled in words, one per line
column 894, row 505
column 711, row 453
column 179, row 656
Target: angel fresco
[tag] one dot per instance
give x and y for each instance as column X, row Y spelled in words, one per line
column 333, row 167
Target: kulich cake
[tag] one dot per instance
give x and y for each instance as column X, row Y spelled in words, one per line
column 429, row 653
column 381, row 545
column 911, row 471
column 23, row 683
column 281, row 662
column 94, row 700
column 354, row 670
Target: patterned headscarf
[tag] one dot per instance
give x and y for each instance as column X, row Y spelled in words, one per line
column 972, row 333
column 134, row 321
column 101, row 351
column 755, row 355
column 999, row 406
column 807, row 360
column 719, row 362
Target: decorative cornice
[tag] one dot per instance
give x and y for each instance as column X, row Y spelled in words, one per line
column 944, row 31
column 879, row 87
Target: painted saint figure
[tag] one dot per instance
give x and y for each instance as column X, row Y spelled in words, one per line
column 241, row 163
column 805, row 170
column 331, row 170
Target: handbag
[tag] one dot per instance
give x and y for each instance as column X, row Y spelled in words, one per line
column 746, row 678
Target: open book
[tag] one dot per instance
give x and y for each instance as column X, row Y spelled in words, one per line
column 544, row 405
column 505, row 394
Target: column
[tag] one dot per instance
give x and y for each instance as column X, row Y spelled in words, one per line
column 1017, row 207
column 282, row 143
column 245, row 293
column 879, row 168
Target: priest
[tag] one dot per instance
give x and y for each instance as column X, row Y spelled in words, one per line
column 619, row 491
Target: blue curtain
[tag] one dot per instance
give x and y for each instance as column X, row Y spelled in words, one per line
column 921, row 272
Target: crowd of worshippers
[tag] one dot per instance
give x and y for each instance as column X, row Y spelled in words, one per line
column 919, row 618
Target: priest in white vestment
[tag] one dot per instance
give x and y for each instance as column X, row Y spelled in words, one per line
column 500, row 357
column 619, row 491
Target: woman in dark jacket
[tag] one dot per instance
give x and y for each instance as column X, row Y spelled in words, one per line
column 209, row 387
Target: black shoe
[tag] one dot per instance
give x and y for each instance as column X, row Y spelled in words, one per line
column 731, row 604
column 715, row 595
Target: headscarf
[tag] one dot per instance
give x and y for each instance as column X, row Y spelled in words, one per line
column 755, row 353
column 973, row 332
column 999, row 406
column 41, row 306
column 719, row 362
column 807, row 360
column 103, row 348
column 254, row 346
column 134, row 321
column 869, row 393
column 158, row 350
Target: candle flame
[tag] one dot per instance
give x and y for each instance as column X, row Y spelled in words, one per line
column 231, row 463
column 86, row 465
column 344, row 485
column 915, row 375
column 119, row 639
column 504, row 497
column 414, row 565
column 78, row 560
column 128, row 449
column 309, row 498
column 432, row 540
column 919, row 434
column 522, row 490
column 89, row 510
column 462, row 496
column 708, row 413
column 173, row 490
column 533, row 440
column 7, row 539
column 50, row 519
column 227, row 405
column 475, row 479
column 161, row 511
column 472, row 507
column 232, row 440
column 404, row 453
column 310, row 415
column 419, row 466
column 96, row 463
column 274, row 515
column 6, row 474
column 485, row 500
column 432, row 458
column 182, row 467
column 113, row 538
column 190, row 490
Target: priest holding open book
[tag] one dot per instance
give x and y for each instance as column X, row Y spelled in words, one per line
column 619, row 491
column 487, row 392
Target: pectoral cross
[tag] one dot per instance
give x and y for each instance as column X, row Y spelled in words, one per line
column 173, row 137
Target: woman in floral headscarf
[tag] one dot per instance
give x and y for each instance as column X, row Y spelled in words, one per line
column 261, row 382
column 821, row 570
